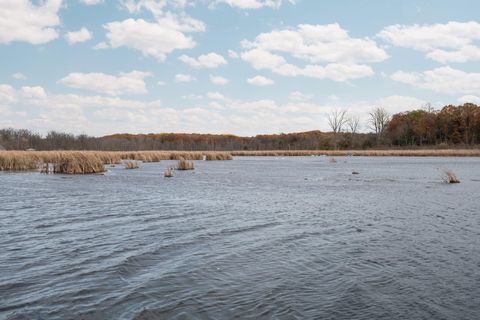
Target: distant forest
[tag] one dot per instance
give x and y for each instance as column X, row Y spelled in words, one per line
column 449, row 127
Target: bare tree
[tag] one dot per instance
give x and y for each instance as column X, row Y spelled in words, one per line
column 353, row 124
column 379, row 118
column 337, row 119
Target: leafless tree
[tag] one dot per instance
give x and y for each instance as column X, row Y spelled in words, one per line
column 337, row 119
column 379, row 118
column 353, row 124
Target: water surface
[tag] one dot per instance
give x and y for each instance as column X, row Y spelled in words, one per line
column 252, row 238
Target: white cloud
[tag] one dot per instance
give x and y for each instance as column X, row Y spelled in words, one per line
column 210, row 60
column 260, row 81
column 469, row 99
column 251, row 4
column 125, row 83
column 345, row 57
column 215, row 96
column 161, row 83
column 153, row 39
column 81, row 35
column 19, row 76
column 91, row 2
column 443, row 80
column 445, row 43
column 7, row 94
column 398, row 103
column 36, row 92
column 20, row 20
column 218, row 80
column 299, row 96
column 233, row 54
column 184, row 78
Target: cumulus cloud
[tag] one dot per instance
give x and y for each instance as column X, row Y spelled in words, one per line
column 19, row 76
column 21, row 20
column 209, row 60
column 345, row 57
column 443, row 80
column 260, row 81
column 299, row 96
column 125, row 83
column 469, row 99
column 218, row 80
column 251, row 4
column 91, row 2
column 184, row 78
column 445, row 43
column 154, row 39
column 81, row 35
column 215, row 96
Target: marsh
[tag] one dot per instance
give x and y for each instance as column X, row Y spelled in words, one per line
column 256, row 237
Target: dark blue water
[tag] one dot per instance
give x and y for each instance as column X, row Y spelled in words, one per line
column 252, row 238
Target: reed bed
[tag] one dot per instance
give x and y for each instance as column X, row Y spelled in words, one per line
column 363, row 153
column 78, row 163
column 131, row 165
column 183, row 164
column 211, row 156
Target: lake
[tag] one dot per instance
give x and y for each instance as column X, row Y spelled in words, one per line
column 252, row 238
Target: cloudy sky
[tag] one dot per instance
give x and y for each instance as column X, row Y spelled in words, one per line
column 229, row 66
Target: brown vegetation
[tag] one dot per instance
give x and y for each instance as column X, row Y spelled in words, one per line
column 218, row 156
column 450, row 177
column 168, row 172
column 183, row 164
column 131, row 165
column 363, row 153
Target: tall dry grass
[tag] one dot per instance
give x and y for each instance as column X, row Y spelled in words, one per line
column 210, row 156
column 450, row 177
column 131, row 165
column 183, row 164
column 367, row 153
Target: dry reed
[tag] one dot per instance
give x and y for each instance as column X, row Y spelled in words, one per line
column 218, row 156
column 183, row 164
column 131, row 165
column 450, row 177
column 363, row 153
column 168, row 173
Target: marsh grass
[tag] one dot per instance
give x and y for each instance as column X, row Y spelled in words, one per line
column 449, row 176
column 362, row 153
column 183, row 164
column 131, row 165
column 168, row 172
column 218, row 156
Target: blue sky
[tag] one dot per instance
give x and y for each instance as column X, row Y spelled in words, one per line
column 230, row 66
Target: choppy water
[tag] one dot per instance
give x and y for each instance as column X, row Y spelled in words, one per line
column 253, row 238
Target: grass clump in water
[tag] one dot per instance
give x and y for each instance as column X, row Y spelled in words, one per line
column 450, row 177
column 131, row 165
column 168, row 173
column 183, row 164
column 78, row 163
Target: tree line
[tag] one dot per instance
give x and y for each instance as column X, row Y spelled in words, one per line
column 450, row 126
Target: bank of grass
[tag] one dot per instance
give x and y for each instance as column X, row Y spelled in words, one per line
column 363, row 153
column 83, row 162
column 211, row 156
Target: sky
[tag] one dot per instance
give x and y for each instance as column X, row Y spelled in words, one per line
column 243, row 67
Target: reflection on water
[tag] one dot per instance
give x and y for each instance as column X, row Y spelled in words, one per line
column 253, row 238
